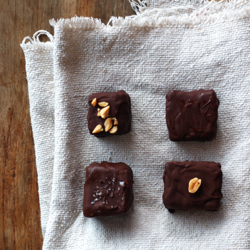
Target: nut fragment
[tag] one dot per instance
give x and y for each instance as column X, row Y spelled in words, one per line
column 194, row 185
column 104, row 112
column 103, row 104
column 94, row 102
column 115, row 121
column 97, row 129
column 107, row 124
column 98, row 112
column 113, row 130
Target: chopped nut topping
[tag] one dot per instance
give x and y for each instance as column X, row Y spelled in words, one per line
column 103, row 104
column 113, row 130
column 98, row 112
column 194, row 185
column 115, row 121
column 94, row 102
column 97, row 129
column 104, row 112
column 107, row 124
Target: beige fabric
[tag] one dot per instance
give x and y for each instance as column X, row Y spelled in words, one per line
column 39, row 69
column 147, row 55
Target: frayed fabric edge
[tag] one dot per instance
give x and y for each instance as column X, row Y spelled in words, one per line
column 210, row 12
column 28, row 41
column 139, row 6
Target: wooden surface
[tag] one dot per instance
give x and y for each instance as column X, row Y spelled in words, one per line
column 20, row 226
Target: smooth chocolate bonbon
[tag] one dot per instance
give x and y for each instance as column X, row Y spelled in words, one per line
column 108, row 189
column 192, row 116
column 177, row 177
column 109, row 113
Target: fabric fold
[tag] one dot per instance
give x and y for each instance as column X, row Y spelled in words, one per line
column 187, row 47
column 40, row 77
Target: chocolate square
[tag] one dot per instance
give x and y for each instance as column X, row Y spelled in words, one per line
column 192, row 116
column 176, row 179
column 108, row 189
column 117, row 119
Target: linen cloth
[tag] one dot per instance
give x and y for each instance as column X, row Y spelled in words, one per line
column 148, row 55
column 140, row 6
column 39, row 69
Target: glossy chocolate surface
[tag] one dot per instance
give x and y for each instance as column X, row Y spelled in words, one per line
column 120, row 108
column 176, row 180
column 192, row 116
column 108, row 189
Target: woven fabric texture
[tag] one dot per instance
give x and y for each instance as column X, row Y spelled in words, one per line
column 39, row 69
column 139, row 6
column 147, row 55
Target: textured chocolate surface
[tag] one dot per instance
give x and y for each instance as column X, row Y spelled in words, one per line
column 108, row 189
column 176, row 179
column 120, row 108
column 192, row 115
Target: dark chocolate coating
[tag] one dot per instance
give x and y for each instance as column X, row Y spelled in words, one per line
column 176, row 179
column 120, row 108
column 192, row 116
column 108, row 189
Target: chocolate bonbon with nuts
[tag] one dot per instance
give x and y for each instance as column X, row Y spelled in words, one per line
column 109, row 114
column 192, row 185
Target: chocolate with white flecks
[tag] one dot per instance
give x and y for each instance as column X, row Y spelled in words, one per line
column 108, row 189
